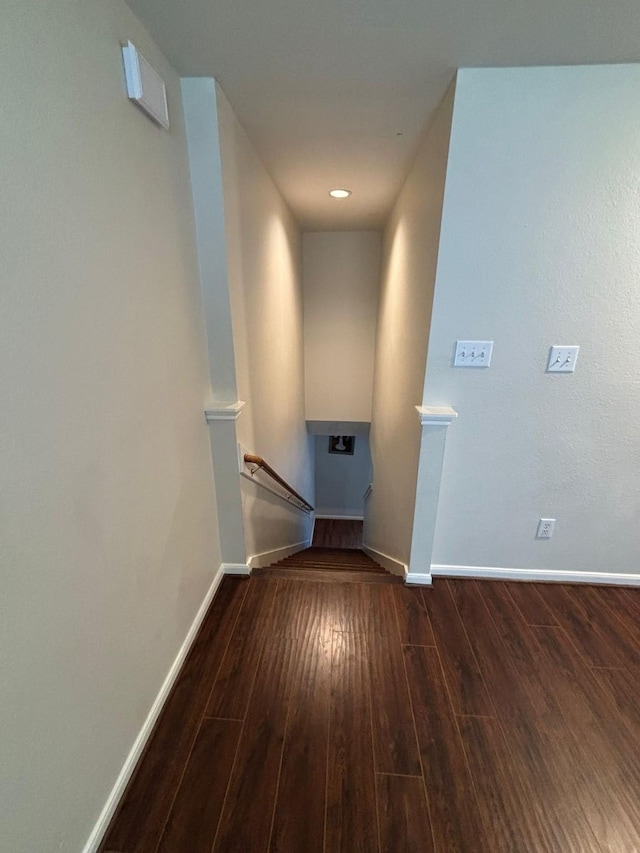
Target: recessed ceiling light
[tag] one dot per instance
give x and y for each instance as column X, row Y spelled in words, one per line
column 339, row 193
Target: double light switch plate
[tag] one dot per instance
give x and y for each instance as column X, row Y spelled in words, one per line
column 562, row 359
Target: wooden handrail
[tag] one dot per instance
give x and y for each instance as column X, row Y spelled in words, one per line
column 251, row 459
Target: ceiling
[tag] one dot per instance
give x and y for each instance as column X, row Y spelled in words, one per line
column 336, row 93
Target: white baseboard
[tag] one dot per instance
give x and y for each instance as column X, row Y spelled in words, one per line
column 542, row 575
column 341, row 517
column 418, row 579
column 99, row 830
column 390, row 563
column 236, row 569
column 258, row 561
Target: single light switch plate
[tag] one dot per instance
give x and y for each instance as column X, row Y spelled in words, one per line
column 473, row 353
column 562, row 359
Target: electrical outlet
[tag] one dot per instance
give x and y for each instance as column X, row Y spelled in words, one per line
column 473, row 353
column 545, row 528
column 562, row 359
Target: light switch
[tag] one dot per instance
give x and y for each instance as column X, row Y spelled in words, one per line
column 473, row 353
column 562, row 359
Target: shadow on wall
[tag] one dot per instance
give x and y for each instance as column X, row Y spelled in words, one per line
column 343, row 473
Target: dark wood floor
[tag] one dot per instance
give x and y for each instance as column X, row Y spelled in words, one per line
column 337, row 533
column 474, row 716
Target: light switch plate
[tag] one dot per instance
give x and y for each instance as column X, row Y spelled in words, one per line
column 473, row 353
column 562, row 359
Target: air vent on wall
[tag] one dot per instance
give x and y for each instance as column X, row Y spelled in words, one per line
column 144, row 85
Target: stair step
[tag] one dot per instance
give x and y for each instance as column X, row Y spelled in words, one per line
column 329, row 567
column 343, row 576
column 328, row 562
column 353, row 557
column 334, row 551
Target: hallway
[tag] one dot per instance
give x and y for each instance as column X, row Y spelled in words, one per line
column 475, row 716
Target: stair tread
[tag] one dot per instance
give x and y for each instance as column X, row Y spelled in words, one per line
column 354, row 557
column 324, row 575
column 327, row 562
column 327, row 567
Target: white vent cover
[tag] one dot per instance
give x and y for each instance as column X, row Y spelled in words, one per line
column 144, row 85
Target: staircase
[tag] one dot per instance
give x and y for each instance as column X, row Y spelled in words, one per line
column 336, row 565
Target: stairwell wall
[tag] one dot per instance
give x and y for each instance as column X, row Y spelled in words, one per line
column 265, row 286
column 409, row 255
column 341, row 273
column 342, row 480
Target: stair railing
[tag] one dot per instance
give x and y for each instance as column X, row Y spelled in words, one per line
column 259, row 464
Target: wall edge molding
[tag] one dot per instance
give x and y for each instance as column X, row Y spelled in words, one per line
column 436, row 415
column 259, row 561
column 220, row 411
column 115, row 795
column 390, row 563
column 513, row 574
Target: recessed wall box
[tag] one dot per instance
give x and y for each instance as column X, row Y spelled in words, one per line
column 144, row 85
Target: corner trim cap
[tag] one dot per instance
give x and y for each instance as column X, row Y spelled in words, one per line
column 224, row 411
column 418, row 579
column 242, row 569
column 436, row 415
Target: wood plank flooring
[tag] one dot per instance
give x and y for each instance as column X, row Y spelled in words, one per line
column 359, row 717
column 337, row 533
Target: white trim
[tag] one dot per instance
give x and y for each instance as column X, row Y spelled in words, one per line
column 236, row 569
column 102, row 824
column 436, row 415
column 418, row 579
column 341, row 517
column 258, row 561
column 224, row 411
column 534, row 575
column 390, row 563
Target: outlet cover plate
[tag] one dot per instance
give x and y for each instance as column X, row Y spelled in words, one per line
column 473, row 353
column 562, row 359
column 546, row 527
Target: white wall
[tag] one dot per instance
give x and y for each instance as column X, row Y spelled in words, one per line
column 341, row 480
column 541, row 245
column 205, row 161
column 408, row 272
column 108, row 535
column 341, row 273
column 264, row 267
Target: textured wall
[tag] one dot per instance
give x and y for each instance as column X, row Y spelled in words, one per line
column 341, row 481
column 410, row 251
column 265, row 285
column 108, row 532
column 540, row 245
column 341, row 272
